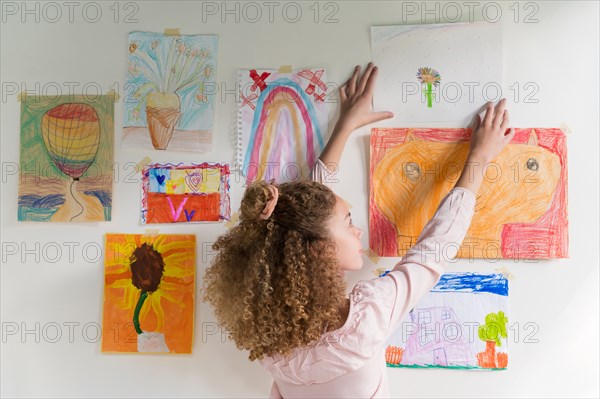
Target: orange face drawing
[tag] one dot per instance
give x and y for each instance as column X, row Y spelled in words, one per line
column 410, row 178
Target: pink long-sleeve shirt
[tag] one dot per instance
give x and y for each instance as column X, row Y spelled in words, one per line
column 350, row 361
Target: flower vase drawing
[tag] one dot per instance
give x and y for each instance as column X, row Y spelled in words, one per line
column 168, row 105
column 163, row 113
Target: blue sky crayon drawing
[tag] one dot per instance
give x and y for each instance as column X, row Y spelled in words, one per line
column 461, row 324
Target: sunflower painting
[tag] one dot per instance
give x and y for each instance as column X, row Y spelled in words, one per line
column 149, row 289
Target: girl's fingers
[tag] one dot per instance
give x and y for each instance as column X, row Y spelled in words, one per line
column 352, row 82
column 505, row 121
column 489, row 114
column 343, row 96
column 379, row 116
column 365, row 78
column 499, row 113
column 475, row 123
column 370, row 86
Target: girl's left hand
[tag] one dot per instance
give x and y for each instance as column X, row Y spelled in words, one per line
column 356, row 96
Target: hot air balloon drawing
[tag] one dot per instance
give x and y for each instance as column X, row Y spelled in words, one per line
column 71, row 134
column 66, row 158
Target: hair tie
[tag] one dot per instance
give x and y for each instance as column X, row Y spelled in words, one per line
column 270, row 205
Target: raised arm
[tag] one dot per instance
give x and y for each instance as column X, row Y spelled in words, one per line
column 356, row 97
column 421, row 267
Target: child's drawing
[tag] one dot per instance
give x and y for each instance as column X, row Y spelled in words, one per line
column 66, row 158
column 168, row 105
column 149, row 293
column 461, row 324
column 185, row 193
column 282, row 120
column 521, row 209
column 467, row 55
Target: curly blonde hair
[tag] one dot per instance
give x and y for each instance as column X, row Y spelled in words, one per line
column 275, row 284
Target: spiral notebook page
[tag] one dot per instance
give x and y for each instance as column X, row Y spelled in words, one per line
column 282, row 119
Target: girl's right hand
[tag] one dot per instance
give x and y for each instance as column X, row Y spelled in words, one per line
column 487, row 141
column 490, row 136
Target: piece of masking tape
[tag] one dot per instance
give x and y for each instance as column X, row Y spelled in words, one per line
column 379, row 271
column 22, row 97
column 172, row 32
column 232, row 221
column 565, row 128
column 506, row 273
column 151, row 232
column 285, row 69
column 113, row 95
column 372, row 255
column 142, row 164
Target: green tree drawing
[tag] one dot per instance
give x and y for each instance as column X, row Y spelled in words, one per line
column 494, row 328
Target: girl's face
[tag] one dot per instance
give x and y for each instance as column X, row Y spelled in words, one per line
column 348, row 251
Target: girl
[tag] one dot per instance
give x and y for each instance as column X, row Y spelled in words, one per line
column 277, row 280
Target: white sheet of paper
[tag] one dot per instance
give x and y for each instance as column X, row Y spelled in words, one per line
column 467, row 56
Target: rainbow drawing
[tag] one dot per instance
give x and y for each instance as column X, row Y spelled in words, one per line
column 282, row 117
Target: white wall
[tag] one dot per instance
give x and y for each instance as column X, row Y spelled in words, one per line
column 558, row 53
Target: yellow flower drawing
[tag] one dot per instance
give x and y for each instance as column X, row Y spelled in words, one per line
column 149, row 286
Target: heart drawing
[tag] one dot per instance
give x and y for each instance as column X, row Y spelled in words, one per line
column 194, row 180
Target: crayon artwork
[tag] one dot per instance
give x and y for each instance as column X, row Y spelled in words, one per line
column 282, row 119
column 149, row 293
column 461, row 323
column 521, row 208
column 185, row 193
